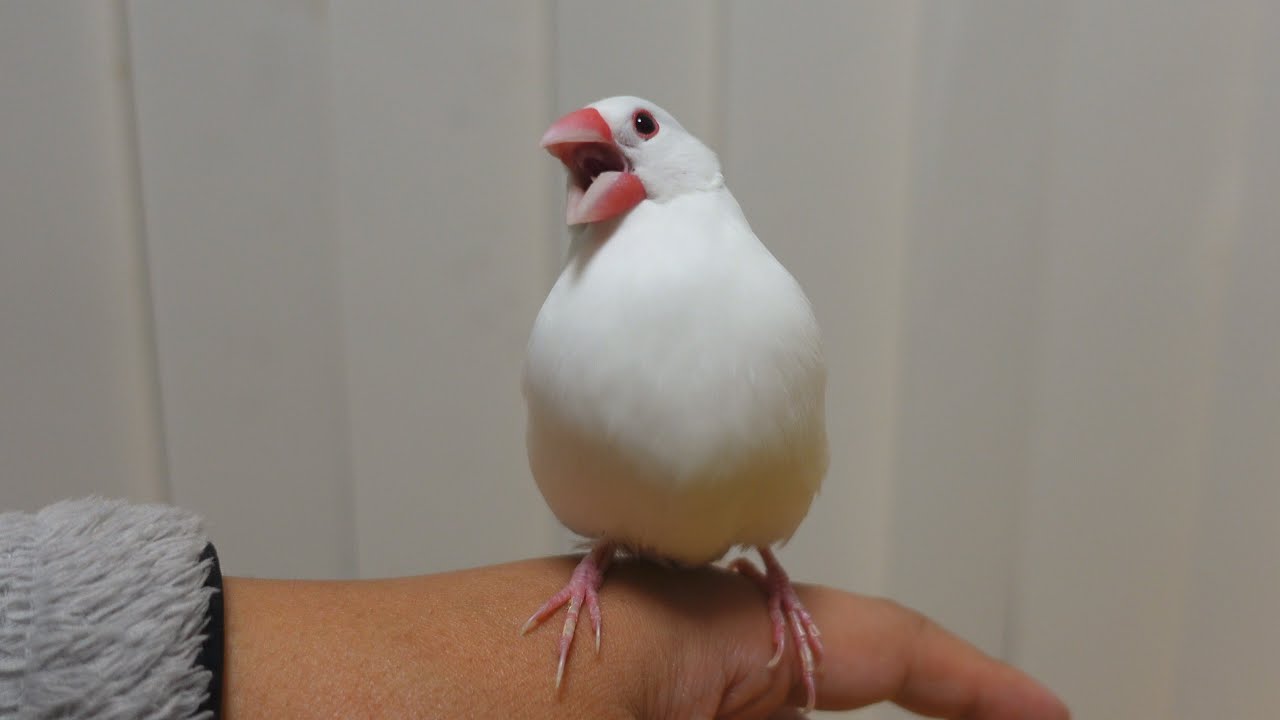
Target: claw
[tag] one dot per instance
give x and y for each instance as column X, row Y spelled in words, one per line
column 530, row 624
column 777, row 655
column 560, row 672
column 580, row 590
column 788, row 616
column 593, row 609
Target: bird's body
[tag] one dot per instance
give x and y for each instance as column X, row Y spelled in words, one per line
column 674, row 377
column 675, row 383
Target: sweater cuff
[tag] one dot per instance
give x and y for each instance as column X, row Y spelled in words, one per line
column 210, row 657
column 103, row 612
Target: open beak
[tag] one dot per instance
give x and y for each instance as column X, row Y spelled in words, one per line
column 601, row 184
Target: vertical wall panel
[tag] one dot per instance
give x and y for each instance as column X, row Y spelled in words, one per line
column 77, row 395
column 446, row 202
column 816, row 150
column 971, row 288
column 1230, row 647
column 1123, row 382
column 235, row 146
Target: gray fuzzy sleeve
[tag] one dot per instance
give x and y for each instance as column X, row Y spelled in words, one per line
column 102, row 612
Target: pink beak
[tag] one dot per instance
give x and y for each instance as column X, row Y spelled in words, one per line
column 583, row 141
column 585, row 125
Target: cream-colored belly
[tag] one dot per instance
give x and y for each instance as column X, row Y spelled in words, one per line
column 756, row 498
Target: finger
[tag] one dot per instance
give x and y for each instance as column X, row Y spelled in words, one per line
column 878, row 650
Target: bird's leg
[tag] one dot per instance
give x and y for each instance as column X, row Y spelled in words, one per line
column 580, row 591
column 789, row 617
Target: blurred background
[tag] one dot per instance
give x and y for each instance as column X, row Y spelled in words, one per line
column 276, row 262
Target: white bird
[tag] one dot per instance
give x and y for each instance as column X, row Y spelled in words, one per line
column 675, row 379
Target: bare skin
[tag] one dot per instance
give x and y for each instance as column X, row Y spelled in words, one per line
column 677, row 644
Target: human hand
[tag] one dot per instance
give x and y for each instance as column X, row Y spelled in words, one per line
column 677, row 643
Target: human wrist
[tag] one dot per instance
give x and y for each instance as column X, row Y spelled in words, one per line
column 439, row 645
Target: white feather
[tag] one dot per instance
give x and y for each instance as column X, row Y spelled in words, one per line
column 675, row 381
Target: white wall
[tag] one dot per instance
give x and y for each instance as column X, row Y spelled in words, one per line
column 78, row 402
column 276, row 262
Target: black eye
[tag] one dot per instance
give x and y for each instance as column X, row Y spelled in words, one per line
column 645, row 125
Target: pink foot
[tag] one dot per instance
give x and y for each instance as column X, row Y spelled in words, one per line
column 581, row 590
column 787, row 614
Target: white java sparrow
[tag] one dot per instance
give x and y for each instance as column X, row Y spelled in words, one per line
column 675, row 376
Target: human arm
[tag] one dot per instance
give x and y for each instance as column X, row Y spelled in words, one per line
column 678, row 643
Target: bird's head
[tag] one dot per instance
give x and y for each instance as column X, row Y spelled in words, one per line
column 622, row 151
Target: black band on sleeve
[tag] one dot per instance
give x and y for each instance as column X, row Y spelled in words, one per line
column 210, row 656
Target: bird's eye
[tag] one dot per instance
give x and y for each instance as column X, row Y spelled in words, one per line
column 644, row 123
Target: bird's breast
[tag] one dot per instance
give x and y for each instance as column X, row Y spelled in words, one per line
column 678, row 356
